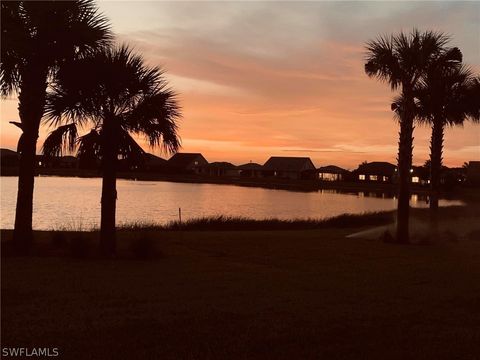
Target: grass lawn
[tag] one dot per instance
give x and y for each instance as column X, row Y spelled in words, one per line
column 310, row 294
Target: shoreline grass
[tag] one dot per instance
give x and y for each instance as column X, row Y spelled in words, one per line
column 233, row 223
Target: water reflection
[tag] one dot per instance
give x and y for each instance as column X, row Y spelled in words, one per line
column 75, row 202
column 414, row 198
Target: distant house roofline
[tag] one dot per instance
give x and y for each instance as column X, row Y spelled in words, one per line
column 332, row 169
column 289, row 163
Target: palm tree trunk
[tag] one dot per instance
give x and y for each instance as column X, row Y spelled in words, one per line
column 22, row 233
column 436, row 149
column 31, row 108
column 109, row 190
column 405, row 151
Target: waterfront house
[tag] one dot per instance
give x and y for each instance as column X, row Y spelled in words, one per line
column 473, row 173
column 57, row 162
column 193, row 163
column 9, row 161
column 295, row 168
column 332, row 173
column 222, row 169
column 251, row 170
column 8, row 158
column 154, row 163
column 376, row 171
column 420, row 175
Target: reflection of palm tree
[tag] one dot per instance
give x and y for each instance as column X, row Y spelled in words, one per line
column 442, row 101
column 401, row 61
column 37, row 37
column 113, row 90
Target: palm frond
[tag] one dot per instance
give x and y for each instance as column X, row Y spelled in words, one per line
column 89, row 145
column 14, row 44
column 382, row 62
column 472, row 99
column 443, row 92
column 114, row 83
column 47, row 33
column 61, row 140
column 156, row 117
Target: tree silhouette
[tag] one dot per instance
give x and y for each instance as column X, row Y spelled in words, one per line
column 401, row 61
column 113, row 91
column 37, row 38
column 442, row 101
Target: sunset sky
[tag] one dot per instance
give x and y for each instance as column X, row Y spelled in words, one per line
column 280, row 78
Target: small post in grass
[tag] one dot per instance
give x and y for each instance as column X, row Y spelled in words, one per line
column 180, row 216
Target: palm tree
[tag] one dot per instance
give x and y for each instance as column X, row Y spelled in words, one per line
column 473, row 100
column 114, row 91
column 37, row 38
column 442, row 101
column 401, row 61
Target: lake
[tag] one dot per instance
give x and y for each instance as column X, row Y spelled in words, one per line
column 74, row 203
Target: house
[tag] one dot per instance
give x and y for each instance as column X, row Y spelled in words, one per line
column 376, row 171
column 290, row 168
column 9, row 162
column 222, row 169
column 332, row 173
column 451, row 177
column 473, row 173
column 57, row 162
column 252, row 170
column 154, row 163
column 8, row 158
column 68, row 162
column 193, row 163
column 420, row 175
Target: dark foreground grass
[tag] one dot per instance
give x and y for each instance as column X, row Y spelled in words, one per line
column 309, row 294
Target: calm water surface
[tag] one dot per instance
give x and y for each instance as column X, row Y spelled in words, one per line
column 70, row 202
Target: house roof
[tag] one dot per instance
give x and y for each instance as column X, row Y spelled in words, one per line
column 153, row 159
column 250, row 166
column 222, row 165
column 8, row 153
column 285, row 163
column 332, row 169
column 377, row 168
column 185, row 159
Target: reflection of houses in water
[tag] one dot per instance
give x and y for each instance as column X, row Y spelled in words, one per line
column 295, row 168
column 332, row 173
